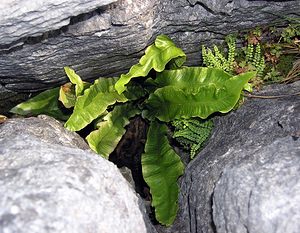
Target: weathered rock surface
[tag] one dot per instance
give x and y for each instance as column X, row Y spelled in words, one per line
column 249, row 171
column 21, row 19
column 109, row 40
column 261, row 192
column 46, row 186
column 46, row 128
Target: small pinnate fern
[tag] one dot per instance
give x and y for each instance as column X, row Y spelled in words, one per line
column 192, row 133
column 216, row 58
column 255, row 59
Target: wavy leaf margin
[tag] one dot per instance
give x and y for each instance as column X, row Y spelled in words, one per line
column 161, row 167
column 199, row 97
column 110, row 131
column 93, row 103
column 156, row 57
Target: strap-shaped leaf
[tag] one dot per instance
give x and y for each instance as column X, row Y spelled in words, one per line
column 188, row 77
column 67, row 95
column 156, row 57
column 70, row 91
column 161, row 168
column 93, row 103
column 198, row 98
column 44, row 103
column 75, row 79
column 104, row 140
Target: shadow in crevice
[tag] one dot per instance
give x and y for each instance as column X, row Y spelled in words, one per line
column 212, row 224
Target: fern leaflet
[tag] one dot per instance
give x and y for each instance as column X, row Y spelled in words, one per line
column 192, row 133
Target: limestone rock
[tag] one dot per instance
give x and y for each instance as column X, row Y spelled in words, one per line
column 27, row 18
column 109, row 40
column 48, row 186
column 250, row 163
column 45, row 128
column 261, row 192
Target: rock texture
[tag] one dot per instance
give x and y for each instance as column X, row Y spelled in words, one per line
column 247, row 178
column 110, row 39
column 261, row 192
column 28, row 18
column 46, row 128
column 49, row 187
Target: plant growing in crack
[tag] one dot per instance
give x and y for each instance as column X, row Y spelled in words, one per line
column 176, row 93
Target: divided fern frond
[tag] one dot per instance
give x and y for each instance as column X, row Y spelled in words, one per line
column 186, row 133
column 216, row 59
column 205, row 56
column 192, row 133
column 220, row 56
column 249, row 53
column 261, row 67
column 255, row 58
column 231, row 43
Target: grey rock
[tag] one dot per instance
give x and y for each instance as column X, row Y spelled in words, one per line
column 90, row 46
column 27, row 18
column 261, row 192
column 244, row 142
column 109, row 40
column 127, row 174
column 45, row 128
column 47, row 188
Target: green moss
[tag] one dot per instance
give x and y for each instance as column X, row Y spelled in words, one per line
column 285, row 64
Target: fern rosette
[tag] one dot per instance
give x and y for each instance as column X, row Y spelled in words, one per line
column 175, row 95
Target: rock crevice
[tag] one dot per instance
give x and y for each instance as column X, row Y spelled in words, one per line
column 106, row 40
column 48, row 184
column 246, row 179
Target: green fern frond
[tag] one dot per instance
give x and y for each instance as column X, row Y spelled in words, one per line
column 186, row 133
column 231, row 43
column 249, row 53
column 192, row 133
column 220, row 56
column 204, row 56
column 261, row 67
column 255, row 58
column 216, row 59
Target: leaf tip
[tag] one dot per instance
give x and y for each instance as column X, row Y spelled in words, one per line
column 68, row 70
column 14, row 110
column 69, row 127
column 120, row 88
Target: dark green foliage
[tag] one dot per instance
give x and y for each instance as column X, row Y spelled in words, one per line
column 291, row 32
column 161, row 169
column 285, row 64
column 179, row 93
column 192, row 133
